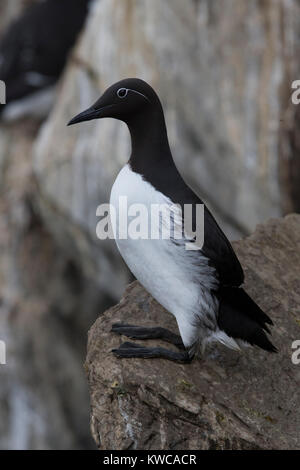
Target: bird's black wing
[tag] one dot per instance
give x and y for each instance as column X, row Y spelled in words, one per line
column 219, row 251
column 216, row 248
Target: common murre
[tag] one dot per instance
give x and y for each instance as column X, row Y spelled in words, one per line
column 33, row 53
column 200, row 288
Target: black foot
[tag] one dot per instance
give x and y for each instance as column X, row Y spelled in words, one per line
column 140, row 332
column 136, row 350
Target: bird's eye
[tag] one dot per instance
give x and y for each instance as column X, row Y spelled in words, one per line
column 122, row 92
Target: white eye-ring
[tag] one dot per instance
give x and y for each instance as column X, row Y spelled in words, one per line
column 122, row 92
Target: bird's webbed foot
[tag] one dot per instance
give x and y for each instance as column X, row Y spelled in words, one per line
column 142, row 332
column 130, row 350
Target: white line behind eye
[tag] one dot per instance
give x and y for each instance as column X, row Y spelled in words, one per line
column 138, row 93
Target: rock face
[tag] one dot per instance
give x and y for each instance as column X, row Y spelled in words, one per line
column 45, row 308
column 10, row 9
column 226, row 400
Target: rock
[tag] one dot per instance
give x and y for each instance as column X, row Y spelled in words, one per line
column 46, row 307
column 226, row 400
column 42, row 297
column 10, row 10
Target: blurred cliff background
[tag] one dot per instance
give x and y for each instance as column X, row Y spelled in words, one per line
column 223, row 70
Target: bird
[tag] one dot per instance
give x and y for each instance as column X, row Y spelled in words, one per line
column 33, row 53
column 202, row 288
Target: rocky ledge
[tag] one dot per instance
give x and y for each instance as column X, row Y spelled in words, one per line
column 226, row 400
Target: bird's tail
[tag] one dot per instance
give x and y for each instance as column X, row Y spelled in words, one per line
column 242, row 319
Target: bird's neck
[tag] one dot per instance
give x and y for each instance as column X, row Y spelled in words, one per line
column 149, row 139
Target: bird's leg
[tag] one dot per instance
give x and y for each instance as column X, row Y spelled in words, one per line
column 142, row 332
column 136, row 350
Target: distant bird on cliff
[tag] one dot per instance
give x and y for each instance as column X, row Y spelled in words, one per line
column 33, row 52
column 201, row 288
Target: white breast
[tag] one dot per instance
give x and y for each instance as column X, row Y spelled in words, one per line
column 165, row 269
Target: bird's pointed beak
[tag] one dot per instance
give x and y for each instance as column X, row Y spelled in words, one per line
column 87, row 115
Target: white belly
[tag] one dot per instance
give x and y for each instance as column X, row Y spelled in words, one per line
column 172, row 275
column 161, row 266
column 151, row 261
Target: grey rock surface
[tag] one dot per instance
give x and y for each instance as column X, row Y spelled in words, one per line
column 225, row 400
column 46, row 308
column 10, row 9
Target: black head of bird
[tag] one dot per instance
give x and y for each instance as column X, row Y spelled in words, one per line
column 126, row 100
